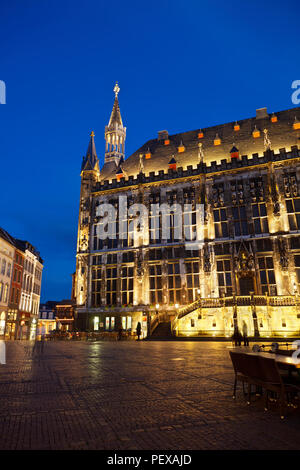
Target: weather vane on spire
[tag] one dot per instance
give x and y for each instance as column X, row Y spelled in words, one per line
column 116, row 89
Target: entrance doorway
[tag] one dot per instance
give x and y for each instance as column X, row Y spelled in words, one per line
column 246, row 285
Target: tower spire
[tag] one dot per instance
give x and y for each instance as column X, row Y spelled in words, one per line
column 90, row 161
column 115, row 133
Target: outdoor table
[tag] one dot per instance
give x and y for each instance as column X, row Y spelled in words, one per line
column 284, row 362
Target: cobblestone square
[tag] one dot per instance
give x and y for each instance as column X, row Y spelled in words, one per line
column 132, row 395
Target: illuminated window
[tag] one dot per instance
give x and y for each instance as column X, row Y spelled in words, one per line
column 260, row 219
column 297, row 267
column 224, row 277
column 96, row 287
column 240, row 221
column 155, row 279
column 173, row 219
column 8, row 269
column 96, row 323
column 217, row 140
column 220, row 223
column 111, row 285
column 267, row 275
column 192, row 279
column 189, row 215
column 3, row 266
column 155, row 219
column 126, row 323
column 293, row 210
column 256, row 133
column 174, row 283
column 296, row 124
column 126, row 285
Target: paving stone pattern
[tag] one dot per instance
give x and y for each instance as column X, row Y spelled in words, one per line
column 132, row 395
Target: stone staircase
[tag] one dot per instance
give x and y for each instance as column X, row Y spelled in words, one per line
column 162, row 331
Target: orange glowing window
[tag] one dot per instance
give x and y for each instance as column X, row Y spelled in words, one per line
column 236, row 127
column 296, row 124
column 274, row 118
column 167, row 142
column 200, row 135
column 217, row 140
column 181, row 148
column 256, row 133
column 148, row 155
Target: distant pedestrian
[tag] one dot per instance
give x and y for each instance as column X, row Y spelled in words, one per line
column 237, row 337
column 245, row 334
column 120, row 331
column 138, row 330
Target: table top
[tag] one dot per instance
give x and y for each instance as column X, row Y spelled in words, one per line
column 291, row 361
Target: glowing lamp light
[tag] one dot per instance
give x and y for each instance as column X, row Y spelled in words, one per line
column 200, row 134
column 157, row 306
column 176, row 305
column 236, row 127
column 167, row 142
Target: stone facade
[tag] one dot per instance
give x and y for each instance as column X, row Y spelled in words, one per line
column 246, row 271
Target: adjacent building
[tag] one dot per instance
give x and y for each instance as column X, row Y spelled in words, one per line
column 20, row 287
column 7, row 253
column 244, row 268
column 47, row 318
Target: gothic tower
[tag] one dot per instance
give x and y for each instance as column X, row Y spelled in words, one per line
column 115, row 134
column 90, row 174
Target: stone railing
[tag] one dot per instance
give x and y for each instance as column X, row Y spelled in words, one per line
column 239, row 301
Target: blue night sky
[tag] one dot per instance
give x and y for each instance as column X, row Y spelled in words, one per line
column 181, row 65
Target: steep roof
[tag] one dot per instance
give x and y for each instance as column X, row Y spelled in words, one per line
column 281, row 134
column 115, row 117
column 90, row 161
column 7, row 237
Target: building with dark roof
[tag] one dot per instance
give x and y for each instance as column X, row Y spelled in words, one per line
column 236, row 262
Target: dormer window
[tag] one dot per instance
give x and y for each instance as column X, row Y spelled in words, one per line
column 172, row 164
column 217, row 140
column 181, row 148
column 234, row 152
column 256, row 133
column 274, row 118
column 296, row 124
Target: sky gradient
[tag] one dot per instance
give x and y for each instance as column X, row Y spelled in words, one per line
column 181, row 65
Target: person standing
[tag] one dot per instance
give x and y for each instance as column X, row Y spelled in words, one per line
column 245, row 334
column 138, row 330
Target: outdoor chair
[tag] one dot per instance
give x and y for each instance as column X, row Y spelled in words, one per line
column 274, row 382
column 246, row 370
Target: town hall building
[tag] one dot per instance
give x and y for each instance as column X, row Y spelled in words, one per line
column 245, row 269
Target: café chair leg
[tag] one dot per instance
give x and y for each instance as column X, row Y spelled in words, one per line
column 234, row 388
column 249, row 394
